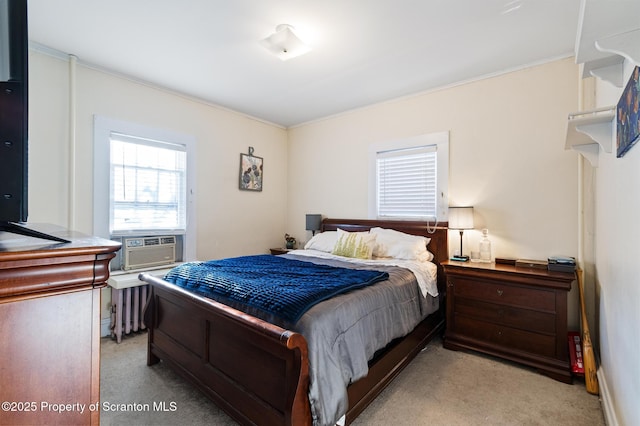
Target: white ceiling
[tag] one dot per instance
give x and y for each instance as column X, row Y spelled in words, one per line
column 364, row 51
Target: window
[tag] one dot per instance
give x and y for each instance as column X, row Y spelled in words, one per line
column 406, row 185
column 148, row 185
column 410, row 178
column 144, row 183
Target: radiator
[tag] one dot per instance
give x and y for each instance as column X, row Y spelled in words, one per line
column 127, row 307
column 128, row 300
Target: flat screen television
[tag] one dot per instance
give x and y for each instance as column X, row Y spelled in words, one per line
column 14, row 114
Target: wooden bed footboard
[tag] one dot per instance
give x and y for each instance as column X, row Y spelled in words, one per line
column 255, row 371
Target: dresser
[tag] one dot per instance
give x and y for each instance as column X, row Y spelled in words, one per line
column 50, row 327
column 519, row 314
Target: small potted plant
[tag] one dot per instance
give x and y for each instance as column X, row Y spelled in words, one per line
column 291, row 241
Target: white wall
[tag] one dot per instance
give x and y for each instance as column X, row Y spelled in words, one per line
column 48, row 136
column 617, row 232
column 229, row 221
column 507, row 159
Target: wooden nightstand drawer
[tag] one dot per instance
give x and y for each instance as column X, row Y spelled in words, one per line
column 523, row 319
column 506, row 294
column 511, row 338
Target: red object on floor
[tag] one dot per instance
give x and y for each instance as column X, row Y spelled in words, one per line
column 575, row 352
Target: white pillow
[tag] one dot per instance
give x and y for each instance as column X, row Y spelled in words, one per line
column 358, row 245
column 396, row 244
column 324, row 241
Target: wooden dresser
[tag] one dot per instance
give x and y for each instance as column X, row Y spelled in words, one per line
column 519, row 314
column 50, row 327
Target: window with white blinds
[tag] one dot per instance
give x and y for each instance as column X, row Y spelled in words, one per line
column 407, row 182
column 148, row 181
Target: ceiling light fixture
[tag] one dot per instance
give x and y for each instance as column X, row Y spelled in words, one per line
column 284, row 43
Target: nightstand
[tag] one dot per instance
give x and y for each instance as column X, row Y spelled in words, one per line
column 519, row 314
column 276, row 251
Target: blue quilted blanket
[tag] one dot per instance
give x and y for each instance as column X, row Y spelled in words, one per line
column 273, row 288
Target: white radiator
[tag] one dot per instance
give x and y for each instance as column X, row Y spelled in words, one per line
column 127, row 307
column 128, row 300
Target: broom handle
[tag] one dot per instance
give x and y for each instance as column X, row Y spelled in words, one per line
column 588, row 357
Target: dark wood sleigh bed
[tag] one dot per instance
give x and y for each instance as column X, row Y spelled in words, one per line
column 257, row 372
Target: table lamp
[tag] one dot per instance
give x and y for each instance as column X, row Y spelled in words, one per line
column 461, row 218
column 313, row 223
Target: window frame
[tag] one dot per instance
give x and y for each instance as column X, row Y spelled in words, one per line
column 440, row 141
column 103, row 129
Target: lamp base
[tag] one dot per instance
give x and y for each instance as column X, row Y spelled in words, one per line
column 460, row 258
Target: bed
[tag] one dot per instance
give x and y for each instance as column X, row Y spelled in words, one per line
column 259, row 372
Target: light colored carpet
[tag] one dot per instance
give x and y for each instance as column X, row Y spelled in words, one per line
column 440, row 387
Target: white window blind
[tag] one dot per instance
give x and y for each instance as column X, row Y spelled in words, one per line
column 407, row 182
column 147, row 185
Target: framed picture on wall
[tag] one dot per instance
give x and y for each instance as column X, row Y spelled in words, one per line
column 628, row 115
column 250, row 172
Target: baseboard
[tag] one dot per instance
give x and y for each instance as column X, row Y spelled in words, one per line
column 605, row 400
column 105, row 327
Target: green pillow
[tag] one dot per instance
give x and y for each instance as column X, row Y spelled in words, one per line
column 354, row 244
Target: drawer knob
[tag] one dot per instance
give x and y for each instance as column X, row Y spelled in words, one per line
column 500, row 292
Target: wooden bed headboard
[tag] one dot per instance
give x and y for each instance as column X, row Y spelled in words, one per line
column 438, row 244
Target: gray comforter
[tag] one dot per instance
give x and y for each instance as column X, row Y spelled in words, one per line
column 344, row 332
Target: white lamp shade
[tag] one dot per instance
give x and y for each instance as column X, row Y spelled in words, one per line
column 284, row 43
column 460, row 217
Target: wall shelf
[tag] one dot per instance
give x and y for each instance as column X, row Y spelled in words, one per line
column 617, row 47
column 589, row 132
column 626, row 45
column 609, row 69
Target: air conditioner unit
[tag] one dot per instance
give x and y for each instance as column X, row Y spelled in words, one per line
column 144, row 252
